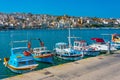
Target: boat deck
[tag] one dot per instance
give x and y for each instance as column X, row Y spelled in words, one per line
column 103, row 67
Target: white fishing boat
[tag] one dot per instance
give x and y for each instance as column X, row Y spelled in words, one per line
column 66, row 51
column 101, row 45
column 82, row 45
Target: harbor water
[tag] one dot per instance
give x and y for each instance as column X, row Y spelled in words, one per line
column 49, row 37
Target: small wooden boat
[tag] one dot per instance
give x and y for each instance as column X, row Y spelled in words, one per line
column 20, row 60
column 19, row 69
column 41, row 53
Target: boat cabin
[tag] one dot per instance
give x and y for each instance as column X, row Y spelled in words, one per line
column 78, row 45
column 61, row 45
column 39, row 49
column 19, row 58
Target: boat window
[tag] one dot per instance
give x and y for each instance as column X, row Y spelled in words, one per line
column 21, row 63
column 84, row 44
column 48, row 52
column 66, row 53
column 43, row 52
column 37, row 49
column 64, row 47
column 43, row 48
column 30, row 62
column 71, row 53
column 76, row 44
column 81, row 45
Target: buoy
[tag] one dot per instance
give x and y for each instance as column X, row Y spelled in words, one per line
column 27, row 53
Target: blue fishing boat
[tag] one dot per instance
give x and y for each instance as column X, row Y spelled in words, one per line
column 41, row 53
column 66, row 51
column 81, row 45
column 20, row 60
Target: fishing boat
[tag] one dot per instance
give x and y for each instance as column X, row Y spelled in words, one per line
column 21, row 59
column 41, row 53
column 101, row 45
column 116, row 40
column 66, row 51
column 81, row 45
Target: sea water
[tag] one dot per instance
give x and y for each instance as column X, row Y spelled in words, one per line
column 49, row 37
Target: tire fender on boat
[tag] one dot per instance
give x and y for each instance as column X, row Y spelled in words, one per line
column 5, row 63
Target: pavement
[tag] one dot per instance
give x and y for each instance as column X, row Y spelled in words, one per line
column 103, row 67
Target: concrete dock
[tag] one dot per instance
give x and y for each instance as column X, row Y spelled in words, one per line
column 96, row 68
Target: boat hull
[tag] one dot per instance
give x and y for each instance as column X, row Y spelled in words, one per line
column 91, row 53
column 77, row 57
column 48, row 58
column 19, row 69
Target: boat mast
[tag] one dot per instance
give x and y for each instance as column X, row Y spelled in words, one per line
column 69, row 40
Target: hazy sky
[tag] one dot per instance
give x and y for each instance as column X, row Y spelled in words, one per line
column 92, row 8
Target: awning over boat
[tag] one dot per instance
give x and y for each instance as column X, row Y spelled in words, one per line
column 98, row 40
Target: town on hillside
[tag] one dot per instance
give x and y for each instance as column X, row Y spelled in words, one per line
column 40, row 21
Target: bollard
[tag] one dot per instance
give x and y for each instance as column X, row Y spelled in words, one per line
column 109, row 46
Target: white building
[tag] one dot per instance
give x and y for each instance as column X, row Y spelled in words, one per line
column 105, row 22
column 118, row 20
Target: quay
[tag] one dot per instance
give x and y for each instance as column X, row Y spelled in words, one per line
column 103, row 67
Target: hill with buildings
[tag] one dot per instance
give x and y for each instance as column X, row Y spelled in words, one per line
column 40, row 21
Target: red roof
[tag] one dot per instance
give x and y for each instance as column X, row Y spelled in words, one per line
column 98, row 39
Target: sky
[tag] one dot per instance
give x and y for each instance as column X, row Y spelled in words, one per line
column 85, row 8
